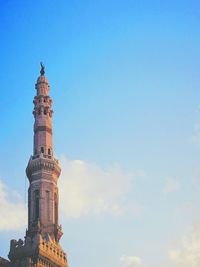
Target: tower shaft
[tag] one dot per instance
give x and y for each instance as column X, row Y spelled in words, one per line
column 43, row 169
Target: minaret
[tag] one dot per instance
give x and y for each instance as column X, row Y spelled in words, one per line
column 43, row 169
column 41, row 246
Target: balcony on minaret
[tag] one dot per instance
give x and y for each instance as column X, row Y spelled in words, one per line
column 40, row 163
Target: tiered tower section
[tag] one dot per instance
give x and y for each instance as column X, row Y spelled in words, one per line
column 41, row 246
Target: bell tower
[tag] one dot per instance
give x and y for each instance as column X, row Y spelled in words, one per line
column 41, row 247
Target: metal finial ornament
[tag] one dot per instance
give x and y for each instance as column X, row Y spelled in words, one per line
column 42, row 72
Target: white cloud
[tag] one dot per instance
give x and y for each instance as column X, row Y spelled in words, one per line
column 187, row 253
column 86, row 188
column 131, row 261
column 13, row 212
column 171, row 185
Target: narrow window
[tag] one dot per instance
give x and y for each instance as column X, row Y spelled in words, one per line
column 48, row 205
column 56, row 208
column 45, row 111
column 42, row 149
column 49, row 151
column 36, row 205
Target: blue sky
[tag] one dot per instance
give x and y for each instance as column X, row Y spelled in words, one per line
column 124, row 79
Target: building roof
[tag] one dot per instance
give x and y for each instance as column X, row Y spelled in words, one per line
column 3, row 261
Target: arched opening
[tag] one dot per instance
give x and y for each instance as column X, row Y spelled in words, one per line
column 42, row 149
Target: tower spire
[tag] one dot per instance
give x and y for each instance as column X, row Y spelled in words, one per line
column 42, row 70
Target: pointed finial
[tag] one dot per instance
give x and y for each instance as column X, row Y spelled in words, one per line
column 42, row 72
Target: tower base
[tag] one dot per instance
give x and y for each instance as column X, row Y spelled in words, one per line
column 36, row 252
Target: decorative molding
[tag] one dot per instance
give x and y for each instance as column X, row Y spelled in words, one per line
column 42, row 164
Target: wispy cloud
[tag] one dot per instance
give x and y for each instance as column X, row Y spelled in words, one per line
column 13, row 212
column 86, row 188
column 171, row 185
column 187, row 251
column 131, row 261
